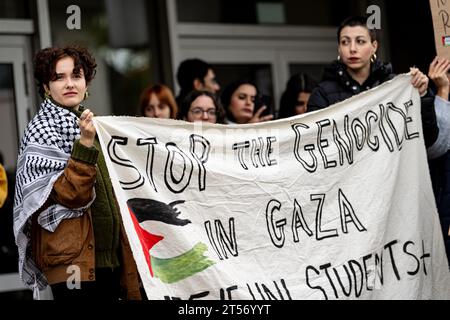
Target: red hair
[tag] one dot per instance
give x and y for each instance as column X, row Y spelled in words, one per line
column 164, row 95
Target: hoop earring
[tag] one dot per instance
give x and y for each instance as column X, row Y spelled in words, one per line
column 47, row 95
column 374, row 58
column 86, row 95
column 339, row 57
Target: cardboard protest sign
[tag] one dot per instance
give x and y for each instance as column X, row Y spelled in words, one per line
column 336, row 204
column 440, row 10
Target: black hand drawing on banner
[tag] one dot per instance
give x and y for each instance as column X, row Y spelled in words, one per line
column 147, row 209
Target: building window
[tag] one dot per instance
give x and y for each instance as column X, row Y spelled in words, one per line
column 15, row 9
column 264, row 12
column 313, row 70
column 117, row 34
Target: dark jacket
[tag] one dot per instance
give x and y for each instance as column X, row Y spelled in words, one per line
column 337, row 85
column 440, row 177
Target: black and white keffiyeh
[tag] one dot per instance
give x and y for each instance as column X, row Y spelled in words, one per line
column 44, row 152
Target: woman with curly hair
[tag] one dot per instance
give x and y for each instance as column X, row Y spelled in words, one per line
column 67, row 223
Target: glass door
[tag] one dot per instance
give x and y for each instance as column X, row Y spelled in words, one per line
column 13, row 103
column 14, row 108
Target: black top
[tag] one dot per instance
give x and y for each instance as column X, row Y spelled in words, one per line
column 337, row 85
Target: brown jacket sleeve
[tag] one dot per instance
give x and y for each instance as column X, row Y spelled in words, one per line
column 75, row 187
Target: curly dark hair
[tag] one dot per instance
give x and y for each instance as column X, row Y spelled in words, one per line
column 45, row 64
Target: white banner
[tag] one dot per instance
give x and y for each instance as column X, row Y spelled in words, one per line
column 335, row 204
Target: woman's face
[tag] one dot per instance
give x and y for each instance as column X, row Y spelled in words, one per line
column 242, row 105
column 157, row 109
column 356, row 48
column 202, row 109
column 302, row 102
column 69, row 88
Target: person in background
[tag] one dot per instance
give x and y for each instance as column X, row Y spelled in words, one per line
column 3, row 183
column 439, row 153
column 195, row 74
column 238, row 100
column 358, row 69
column 157, row 101
column 8, row 248
column 70, row 217
column 438, row 73
column 201, row 106
column 294, row 100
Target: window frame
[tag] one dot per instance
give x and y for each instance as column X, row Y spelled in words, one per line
column 278, row 46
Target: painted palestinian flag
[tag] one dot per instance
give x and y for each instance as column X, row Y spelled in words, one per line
column 173, row 269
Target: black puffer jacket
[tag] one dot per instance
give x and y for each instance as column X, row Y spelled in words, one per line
column 337, row 85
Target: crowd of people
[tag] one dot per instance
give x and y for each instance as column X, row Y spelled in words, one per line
column 71, row 216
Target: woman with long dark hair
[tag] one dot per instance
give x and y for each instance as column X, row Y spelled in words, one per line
column 294, row 100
